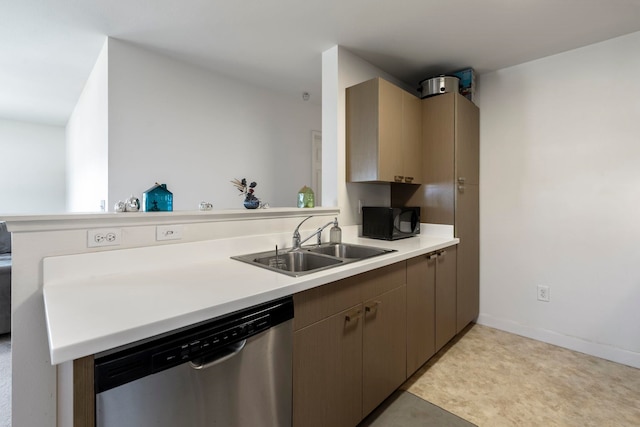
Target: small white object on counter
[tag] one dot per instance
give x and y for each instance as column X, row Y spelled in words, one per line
column 102, row 300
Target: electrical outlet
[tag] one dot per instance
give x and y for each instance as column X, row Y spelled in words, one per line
column 104, row 237
column 543, row 293
column 169, row 232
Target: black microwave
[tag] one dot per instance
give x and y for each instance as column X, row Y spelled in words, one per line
column 390, row 223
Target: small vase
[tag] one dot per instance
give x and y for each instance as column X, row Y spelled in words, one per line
column 251, row 203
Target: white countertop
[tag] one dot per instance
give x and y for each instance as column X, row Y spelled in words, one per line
column 98, row 301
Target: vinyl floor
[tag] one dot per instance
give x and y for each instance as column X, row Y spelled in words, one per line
column 493, row 378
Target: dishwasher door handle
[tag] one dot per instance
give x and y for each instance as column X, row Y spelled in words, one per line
column 219, row 356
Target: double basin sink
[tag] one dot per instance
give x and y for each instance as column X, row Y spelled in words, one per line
column 311, row 259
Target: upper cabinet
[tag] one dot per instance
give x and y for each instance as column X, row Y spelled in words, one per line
column 384, row 134
column 451, row 156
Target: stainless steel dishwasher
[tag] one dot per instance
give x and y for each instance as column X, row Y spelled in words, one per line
column 230, row 371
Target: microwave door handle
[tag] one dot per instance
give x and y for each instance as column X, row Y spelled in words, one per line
column 414, row 220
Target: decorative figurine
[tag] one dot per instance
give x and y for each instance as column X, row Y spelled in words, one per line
column 132, row 204
column 120, row 206
column 250, row 200
column 306, row 198
column 157, row 199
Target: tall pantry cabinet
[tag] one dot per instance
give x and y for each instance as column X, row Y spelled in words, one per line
column 450, row 190
column 451, row 167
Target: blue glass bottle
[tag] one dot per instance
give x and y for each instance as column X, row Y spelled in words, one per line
column 157, row 199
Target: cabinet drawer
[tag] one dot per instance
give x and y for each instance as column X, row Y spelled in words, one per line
column 326, row 300
column 384, row 279
column 323, row 301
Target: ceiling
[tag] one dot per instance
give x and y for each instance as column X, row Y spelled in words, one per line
column 48, row 47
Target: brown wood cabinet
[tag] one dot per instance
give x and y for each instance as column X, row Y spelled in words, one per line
column 450, row 190
column 431, row 305
column 445, row 296
column 421, row 314
column 384, row 347
column 384, row 133
column 349, row 347
column 327, row 372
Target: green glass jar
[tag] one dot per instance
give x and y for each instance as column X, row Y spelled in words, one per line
column 306, row 198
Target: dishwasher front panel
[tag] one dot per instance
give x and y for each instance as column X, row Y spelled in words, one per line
column 251, row 388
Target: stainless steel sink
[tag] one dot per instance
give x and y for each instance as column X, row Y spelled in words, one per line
column 311, row 259
column 349, row 251
column 297, row 261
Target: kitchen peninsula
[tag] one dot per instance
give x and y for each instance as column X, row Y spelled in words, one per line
column 99, row 299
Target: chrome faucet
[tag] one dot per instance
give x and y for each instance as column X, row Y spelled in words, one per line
column 296, row 234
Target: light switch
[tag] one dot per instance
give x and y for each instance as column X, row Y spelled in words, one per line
column 169, row 232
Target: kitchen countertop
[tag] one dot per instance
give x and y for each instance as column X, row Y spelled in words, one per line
column 98, row 301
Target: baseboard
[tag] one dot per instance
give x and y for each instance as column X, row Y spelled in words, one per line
column 602, row 351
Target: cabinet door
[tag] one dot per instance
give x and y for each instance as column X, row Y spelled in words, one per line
column 468, row 280
column 327, row 371
column 411, row 138
column 384, row 347
column 446, row 301
column 362, row 131
column 390, row 156
column 384, row 131
column 467, row 131
column 421, row 281
column 438, row 133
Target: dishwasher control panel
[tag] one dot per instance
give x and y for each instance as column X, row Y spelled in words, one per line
column 199, row 345
column 187, row 344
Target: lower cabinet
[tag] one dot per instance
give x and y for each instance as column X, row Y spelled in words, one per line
column 446, row 296
column 421, row 311
column 384, row 347
column 431, row 305
column 358, row 339
column 349, row 351
column 327, row 372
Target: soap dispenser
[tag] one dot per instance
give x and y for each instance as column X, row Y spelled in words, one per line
column 335, row 234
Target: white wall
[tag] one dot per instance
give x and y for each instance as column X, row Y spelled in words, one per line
column 340, row 70
column 560, row 197
column 195, row 130
column 87, row 143
column 32, row 164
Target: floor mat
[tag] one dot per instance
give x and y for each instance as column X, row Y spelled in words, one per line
column 404, row 409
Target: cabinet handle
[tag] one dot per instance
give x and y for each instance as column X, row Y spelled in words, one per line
column 461, row 188
column 442, row 253
column 398, row 178
column 370, row 307
column 408, row 179
column 352, row 316
column 461, row 180
column 432, row 256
